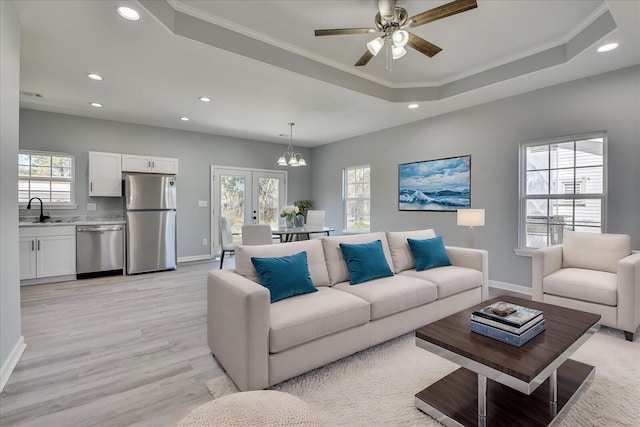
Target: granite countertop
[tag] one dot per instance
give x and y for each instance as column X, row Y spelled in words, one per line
column 55, row 221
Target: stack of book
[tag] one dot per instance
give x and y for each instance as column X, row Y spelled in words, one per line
column 507, row 322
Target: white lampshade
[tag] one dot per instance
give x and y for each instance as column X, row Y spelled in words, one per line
column 302, row 162
column 293, row 161
column 282, row 161
column 400, row 38
column 471, row 217
column 398, row 52
column 375, row 45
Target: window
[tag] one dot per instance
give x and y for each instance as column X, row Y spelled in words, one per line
column 562, row 187
column 356, row 195
column 49, row 176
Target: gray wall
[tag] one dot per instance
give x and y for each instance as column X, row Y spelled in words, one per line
column 10, row 329
column 491, row 134
column 195, row 152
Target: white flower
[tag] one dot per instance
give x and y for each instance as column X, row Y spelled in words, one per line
column 289, row 211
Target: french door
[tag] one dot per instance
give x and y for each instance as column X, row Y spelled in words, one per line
column 245, row 196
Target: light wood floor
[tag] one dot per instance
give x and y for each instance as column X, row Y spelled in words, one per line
column 116, row 351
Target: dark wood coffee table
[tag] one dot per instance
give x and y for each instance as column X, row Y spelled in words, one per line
column 499, row 384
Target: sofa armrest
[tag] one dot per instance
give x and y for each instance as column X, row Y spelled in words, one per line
column 629, row 293
column 477, row 259
column 238, row 327
column 544, row 262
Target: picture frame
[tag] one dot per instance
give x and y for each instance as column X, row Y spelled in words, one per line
column 435, row 185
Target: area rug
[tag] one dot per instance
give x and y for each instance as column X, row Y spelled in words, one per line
column 376, row 387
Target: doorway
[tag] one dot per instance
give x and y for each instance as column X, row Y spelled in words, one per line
column 245, row 196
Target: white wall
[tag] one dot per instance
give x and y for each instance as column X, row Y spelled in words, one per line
column 195, row 152
column 491, row 134
column 11, row 342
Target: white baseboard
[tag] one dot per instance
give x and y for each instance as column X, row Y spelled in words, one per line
column 195, row 258
column 9, row 365
column 510, row 287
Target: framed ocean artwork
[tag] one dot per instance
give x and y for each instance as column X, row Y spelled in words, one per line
column 435, row 185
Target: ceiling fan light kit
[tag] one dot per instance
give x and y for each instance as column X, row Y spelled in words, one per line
column 295, row 159
column 392, row 20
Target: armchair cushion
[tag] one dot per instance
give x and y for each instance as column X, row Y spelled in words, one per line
column 594, row 251
column 599, row 287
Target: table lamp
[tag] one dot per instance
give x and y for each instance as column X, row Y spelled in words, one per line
column 470, row 218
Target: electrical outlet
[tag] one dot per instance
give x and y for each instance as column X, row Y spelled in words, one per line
column 91, row 206
column 204, row 242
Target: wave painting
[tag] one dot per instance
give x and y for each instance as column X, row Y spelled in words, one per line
column 435, row 185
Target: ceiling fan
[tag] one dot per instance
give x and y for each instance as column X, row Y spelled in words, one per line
column 392, row 20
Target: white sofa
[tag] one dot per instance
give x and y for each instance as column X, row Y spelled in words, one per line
column 260, row 344
column 591, row 272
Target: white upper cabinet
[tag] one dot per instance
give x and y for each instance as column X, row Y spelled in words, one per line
column 105, row 174
column 134, row 163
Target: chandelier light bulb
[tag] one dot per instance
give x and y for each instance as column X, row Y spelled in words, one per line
column 400, row 38
column 375, row 45
column 398, row 52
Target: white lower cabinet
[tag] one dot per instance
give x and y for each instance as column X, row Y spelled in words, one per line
column 47, row 252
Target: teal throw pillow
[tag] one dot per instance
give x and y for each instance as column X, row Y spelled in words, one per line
column 285, row 276
column 365, row 261
column 429, row 253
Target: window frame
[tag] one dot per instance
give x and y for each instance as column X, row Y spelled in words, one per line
column 346, row 199
column 72, row 179
column 577, row 199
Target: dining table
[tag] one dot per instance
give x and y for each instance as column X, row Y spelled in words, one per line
column 287, row 234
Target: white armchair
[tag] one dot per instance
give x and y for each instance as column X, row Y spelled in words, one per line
column 591, row 272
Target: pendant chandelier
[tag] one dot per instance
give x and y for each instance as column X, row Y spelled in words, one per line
column 289, row 157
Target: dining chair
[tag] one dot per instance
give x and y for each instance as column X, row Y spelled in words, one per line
column 226, row 239
column 315, row 218
column 256, row 234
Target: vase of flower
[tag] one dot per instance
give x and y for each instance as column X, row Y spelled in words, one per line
column 289, row 213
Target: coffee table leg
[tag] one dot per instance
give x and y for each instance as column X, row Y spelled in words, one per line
column 482, row 401
column 553, row 392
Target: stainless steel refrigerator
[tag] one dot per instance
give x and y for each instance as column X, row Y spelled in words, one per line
column 150, row 209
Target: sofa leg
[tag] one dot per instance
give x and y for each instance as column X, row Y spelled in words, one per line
column 628, row 336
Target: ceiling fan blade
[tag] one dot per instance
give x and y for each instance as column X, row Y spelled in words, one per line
column 423, row 46
column 443, row 11
column 343, row 31
column 364, row 59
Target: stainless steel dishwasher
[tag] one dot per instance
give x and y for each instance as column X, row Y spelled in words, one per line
column 99, row 250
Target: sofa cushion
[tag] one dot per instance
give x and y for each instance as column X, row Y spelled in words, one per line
column 307, row 317
column 391, row 295
column 399, row 248
column 365, row 261
column 594, row 251
column 450, row 280
column 315, row 258
column 285, row 276
column 336, row 266
column 595, row 286
column 429, row 253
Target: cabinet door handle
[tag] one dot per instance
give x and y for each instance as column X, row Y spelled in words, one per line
column 153, row 163
column 38, row 244
column 91, row 186
column 33, row 246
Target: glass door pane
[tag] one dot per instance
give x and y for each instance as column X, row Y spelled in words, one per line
column 269, row 196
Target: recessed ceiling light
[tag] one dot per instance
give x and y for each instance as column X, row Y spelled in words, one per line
column 184, row 119
column 94, row 76
column 128, row 13
column 412, row 106
column 607, row 47
column 95, row 104
column 205, row 99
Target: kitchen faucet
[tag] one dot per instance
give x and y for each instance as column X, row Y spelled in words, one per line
column 42, row 215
